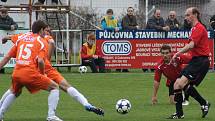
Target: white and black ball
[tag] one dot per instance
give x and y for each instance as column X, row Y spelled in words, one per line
column 123, row 106
column 82, row 69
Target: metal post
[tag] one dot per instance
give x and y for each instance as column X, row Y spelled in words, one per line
column 147, row 9
column 30, row 13
column 67, row 33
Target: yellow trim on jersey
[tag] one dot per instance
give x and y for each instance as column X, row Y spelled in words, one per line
column 111, row 22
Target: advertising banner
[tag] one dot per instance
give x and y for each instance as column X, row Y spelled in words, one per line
column 141, row 49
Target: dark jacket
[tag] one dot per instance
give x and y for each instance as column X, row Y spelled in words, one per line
column 212, row 22
column 5, row 23
column 156, row 24
column 173, row 24
column 129, row 23
column 186, row 25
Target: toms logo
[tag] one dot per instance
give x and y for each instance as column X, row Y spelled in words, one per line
column 116, row 48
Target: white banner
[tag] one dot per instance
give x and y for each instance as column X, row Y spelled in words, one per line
column 4, row 48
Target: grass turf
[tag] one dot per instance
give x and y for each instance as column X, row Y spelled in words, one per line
column 103, row 90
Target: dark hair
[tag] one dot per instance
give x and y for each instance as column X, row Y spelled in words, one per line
column 50, row 31
column 165, row 47
column 38, row 25
column 55, row 1
column 156, row 10
column 4, row 0
column 109, row 11
column 41, row 1
column 130, row 8
column 3, row 9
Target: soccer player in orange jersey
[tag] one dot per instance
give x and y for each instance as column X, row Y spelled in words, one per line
column 54, row 75
column 30, row 55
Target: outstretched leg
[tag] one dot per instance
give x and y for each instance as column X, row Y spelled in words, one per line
column 5, row 95
column 9, row 99
column 205, row 105
column 73, row 92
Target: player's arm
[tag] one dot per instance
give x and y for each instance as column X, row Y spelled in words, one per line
column 6, row 38
column 194, row 40
column 40, row 61
column 41, row 65
column 157, row 78
column 51, row 48
column 4, row 61
column 185, row 59
column 155, row 90
column 12, row 53
column 84, row 53
column 13, row 38
column 186, row 48
column 41, row 57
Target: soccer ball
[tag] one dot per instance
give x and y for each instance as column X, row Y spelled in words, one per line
column 82, row 69
column 123, row 106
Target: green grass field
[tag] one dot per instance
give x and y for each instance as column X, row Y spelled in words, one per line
column 104, row 90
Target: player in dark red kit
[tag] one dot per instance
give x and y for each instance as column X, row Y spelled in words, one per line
column 196, row 70
column 170, row 70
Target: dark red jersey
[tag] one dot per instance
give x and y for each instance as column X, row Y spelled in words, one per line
column 171, row 70
column 199, row 36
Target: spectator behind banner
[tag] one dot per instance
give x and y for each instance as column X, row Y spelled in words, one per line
column 212, row 22
column 129, row 22
column 91, row 56
column 186, row 25
column 109, row 22
column 172, row 21
column 6, row 22
column 39, row 2
column 156, row 22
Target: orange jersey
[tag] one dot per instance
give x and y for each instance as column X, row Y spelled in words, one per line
column 51, row 72
column 48, row 38
column 45, row 41
column 15, row 37
column 48, row 65
column 27, row 49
